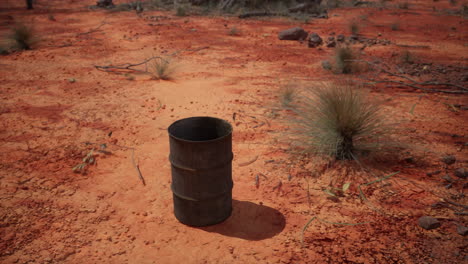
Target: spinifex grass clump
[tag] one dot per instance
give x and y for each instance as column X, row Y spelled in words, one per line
column 344, row 60
column 288, row 95
column 23, row 37
column 336, row 120
column 161, row 68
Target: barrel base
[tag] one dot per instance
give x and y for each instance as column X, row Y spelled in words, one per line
column 203, row 213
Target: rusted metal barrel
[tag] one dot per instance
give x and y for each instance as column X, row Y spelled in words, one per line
column 201, row 163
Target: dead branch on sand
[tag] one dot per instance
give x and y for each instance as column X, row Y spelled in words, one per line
column 131, row 67
column 135, row 165
column 406, row 81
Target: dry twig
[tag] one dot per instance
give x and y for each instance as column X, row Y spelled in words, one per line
column 410, row 82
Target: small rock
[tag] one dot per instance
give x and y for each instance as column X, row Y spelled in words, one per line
column 71, row 80
column 428, row 222
column 462, row 230
column 433, row 173
column 331, row 38
column 447, row 178
column 331, row 44
column 296, row 33
column 448, row 186
column 315, row 40
column 340, row 38
column 461, row 173
column 323, row 15
column 104, row 3
column 354, row 37
column 326, row 65
column 333, row 199
column 449, row 159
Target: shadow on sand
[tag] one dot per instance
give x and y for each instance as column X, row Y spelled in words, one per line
column 250, row 221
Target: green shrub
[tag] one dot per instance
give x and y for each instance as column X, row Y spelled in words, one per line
column 337, row 121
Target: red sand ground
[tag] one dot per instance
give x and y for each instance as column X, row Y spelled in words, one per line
column 51, row 215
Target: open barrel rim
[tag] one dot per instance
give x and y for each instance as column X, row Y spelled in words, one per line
column 228, row 132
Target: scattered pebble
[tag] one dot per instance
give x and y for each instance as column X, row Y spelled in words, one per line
column 449, row 159
column 461, row 173
column 315, row 40
column 296, row 33
column 433, row 173
column 428, row 222
column 447, row 178
column 326, row 65
column 462, row 230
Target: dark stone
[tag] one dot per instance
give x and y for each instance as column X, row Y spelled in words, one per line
column 428, row 222
column 449, row 159
column 104, row 3
column 296, row 33
column 326, row 65
column 331, row 38
column 433, row 173
column 340, row 38
column 447, row 178
column 462, row 230
column 331, row 44
column 354, row 37
column 323, row 15
column 448, row 186
column 333, row 199
column 461, row 173
column 315, row 40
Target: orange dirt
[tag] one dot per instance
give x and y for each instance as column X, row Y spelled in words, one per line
column 49, row 214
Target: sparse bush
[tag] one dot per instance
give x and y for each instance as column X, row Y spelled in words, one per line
column 288, row 94
column 344, row 60
column 23, row 37
column 403, row 5
column 337, row 121
column 407, row 57
column 464, row 10
column 51, row 17
column 180, row 11
column 4, row 50
column 234, row 31
column 354, row 28
column 161, row 69
column 395, row 26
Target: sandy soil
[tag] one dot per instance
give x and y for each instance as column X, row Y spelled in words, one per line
column 56, row 107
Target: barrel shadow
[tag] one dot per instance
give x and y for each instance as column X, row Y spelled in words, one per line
column 250, row 221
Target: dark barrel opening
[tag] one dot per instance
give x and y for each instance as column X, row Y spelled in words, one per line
column 200, row 128
column 201, row 165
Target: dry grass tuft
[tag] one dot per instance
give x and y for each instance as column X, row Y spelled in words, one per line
column 161, row 69
column 345, row 60
column 337, row 121
column 23, row 37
